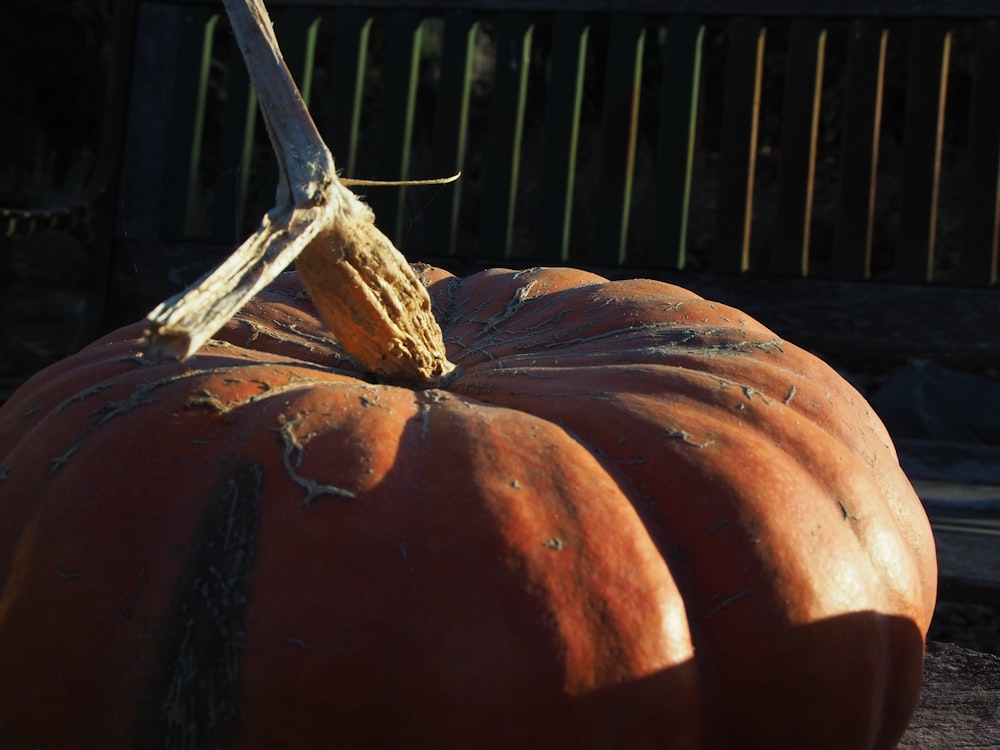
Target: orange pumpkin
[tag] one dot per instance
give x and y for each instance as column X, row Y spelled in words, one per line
column 633, row 518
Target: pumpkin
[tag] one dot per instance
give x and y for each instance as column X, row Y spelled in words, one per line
column 387, row 507
column 632, row 518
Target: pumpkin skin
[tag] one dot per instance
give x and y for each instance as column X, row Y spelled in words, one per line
column 634, row 519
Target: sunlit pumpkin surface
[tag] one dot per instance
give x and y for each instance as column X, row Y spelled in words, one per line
column 634, row 519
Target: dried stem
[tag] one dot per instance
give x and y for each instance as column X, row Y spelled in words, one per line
column 361, row 285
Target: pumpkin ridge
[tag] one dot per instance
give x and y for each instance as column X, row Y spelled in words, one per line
column 550, row 401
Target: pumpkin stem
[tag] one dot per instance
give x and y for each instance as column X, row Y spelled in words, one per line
column 362, row 286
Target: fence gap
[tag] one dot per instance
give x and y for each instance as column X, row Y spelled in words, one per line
column 399, row 97
column 682, row 56
column 506, row 128
column 799, row 127
column 562, row 128
column 978, row 263
column 618, row 138
column 451, row 124
column 930, row 42
column 852, row 251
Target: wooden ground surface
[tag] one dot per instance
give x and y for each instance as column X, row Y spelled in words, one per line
column 960, row 703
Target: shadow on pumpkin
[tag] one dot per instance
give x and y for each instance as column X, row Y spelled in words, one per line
column 847, row 682
column 800, row 689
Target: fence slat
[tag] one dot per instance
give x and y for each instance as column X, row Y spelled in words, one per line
column 399, row 98
column 187, row 121
column 562, row 128
column 982, row 198
column 506, row 127
column 239, row 120
column 339, row 114
column 681, row 85
column 296, row 30
column 930, row 42
column 739, row 144
column 799, row 126
column 451, row 123
column 618, row 138
column 852, row 253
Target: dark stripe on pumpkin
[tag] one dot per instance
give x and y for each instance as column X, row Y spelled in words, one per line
column 191, row 702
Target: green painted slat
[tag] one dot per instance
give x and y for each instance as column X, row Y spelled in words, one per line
column 739, row 144
column 399, row 99
column 930, row 42
column 506, row 127
column 859, row 150
column 562, row 127
column 619, row 129
column 181, row 193
column 239, row 122
column 982, row 198
column 339, row 114
column 451, row 123
column 799, row 127
column 682, row 57
column 296, row 30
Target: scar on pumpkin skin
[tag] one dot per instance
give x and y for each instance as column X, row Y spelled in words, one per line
column 59, row 461
column 115, row 408
column 514, row 305
column 256, row 330
column 295, row 641
column 848, row 516
column 325, row 340
column 692, row 335
column 291, row 446
column 213, row 402
column 138, row 397
column 751, row 392
column 81, row 396
column 688, row 438
column 724, row 603
column 722, row 523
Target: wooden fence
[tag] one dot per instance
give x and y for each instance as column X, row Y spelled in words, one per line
column 837, row 144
